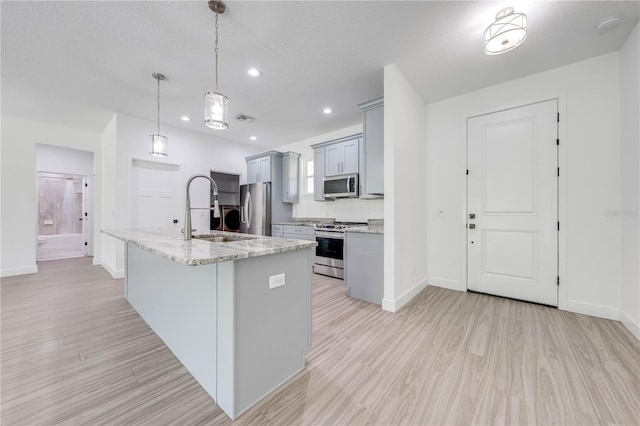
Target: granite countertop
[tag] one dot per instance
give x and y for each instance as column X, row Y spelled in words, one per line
column 305, row 221
column 370, row 229
column 169, row 243
column 375, row 226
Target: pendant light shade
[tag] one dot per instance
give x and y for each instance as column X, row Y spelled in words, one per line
column 159, row 146
column 159, row 143
column 216, row 106
column 506, row 33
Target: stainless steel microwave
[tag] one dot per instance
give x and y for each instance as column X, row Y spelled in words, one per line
column 342, row 186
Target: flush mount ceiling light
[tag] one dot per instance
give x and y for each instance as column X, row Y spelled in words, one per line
column 254, row 72
column 608, row 24
column 216, row 105
column 253, row 138
column 327, row 111
column 159, row 143
column 506, row 33
column 185, row 118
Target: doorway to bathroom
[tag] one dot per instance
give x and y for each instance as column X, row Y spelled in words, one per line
column 65, row 202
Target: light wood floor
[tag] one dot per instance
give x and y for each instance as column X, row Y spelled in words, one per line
column 75, row 352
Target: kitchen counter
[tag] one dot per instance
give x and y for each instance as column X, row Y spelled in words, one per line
column 169, row 243
column 370, row 229
column 240, row 322
column 305, row 221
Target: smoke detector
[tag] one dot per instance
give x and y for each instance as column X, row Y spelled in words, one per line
column 608, row 24
column 244, row 118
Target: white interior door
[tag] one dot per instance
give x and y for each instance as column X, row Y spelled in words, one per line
column 512, row 201
column 154, row 194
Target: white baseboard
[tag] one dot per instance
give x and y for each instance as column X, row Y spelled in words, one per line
column 97, row 262
column 446, row 283
column 114, row 273
column 632, row 326
column 593, row 310
column 395, row 305
column 23, row 270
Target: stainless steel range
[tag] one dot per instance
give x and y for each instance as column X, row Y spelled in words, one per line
column 330, row 250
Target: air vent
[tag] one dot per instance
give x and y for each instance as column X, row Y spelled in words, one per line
column 244, row 118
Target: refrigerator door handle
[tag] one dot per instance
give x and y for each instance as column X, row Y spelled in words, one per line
column 242, row 215
column 248, row 206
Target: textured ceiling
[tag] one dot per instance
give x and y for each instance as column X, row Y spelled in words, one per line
column 77, row 62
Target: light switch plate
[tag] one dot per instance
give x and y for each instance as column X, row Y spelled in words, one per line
column 276, row 281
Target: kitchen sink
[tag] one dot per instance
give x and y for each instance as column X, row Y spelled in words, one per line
column 221, row 238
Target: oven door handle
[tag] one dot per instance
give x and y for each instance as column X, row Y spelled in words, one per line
column 331, row 235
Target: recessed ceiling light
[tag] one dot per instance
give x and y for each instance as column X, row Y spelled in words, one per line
column 327, row 110
column 185, row 118
column 254, row 72
column 253, row 138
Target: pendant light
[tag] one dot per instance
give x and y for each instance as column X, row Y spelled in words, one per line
column 506, row 33
column 216, row 105
column 159, row 143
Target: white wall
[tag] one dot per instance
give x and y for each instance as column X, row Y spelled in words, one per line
column 589, row 102
column 354, row 210
column 19, row 206
column 630, row 154
column 55, row 159
column 112, row 250
column 405, row 188
column 195, row 153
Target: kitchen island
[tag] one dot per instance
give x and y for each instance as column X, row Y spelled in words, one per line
column 236, row 313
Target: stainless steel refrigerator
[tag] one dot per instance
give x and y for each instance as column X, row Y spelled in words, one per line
column 255, row 208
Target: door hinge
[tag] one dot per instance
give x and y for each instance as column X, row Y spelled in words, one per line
column 467, row 172
column 558, row 141
column 86, row 243
column 558, row 226
column 558, row 117
column 558, row 280
column 558, row 171
column 86, row 185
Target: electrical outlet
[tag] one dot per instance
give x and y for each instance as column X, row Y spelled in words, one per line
column 276, row 281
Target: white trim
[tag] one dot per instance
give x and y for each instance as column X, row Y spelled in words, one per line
column 632, row 326
column 446, row 283
column 116, row 274
column 23, row 270
column 395, row 305
column 594, row 310
column 97, row 262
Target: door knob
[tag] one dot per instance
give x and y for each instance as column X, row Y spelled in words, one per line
column 472, row 226
column 472, row 215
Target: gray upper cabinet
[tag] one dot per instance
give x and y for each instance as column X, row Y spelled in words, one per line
column 318, row 177
column 372, row 152
column 290, row 177
column 259, row 169
column 342, row 157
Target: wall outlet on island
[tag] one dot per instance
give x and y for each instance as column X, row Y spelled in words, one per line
column 276, row 281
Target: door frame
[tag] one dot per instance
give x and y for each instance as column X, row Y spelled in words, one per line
column 562, row 190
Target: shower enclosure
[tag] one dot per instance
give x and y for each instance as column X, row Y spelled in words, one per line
column 60, row 216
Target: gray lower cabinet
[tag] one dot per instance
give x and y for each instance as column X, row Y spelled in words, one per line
column 277, row 231
column 299, row 232
column 364, row 266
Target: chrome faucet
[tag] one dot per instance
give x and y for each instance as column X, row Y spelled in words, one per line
column 187, row 208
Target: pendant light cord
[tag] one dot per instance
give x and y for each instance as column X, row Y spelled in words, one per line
column 216, row 51
column 158, row 101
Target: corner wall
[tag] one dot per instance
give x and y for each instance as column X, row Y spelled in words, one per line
column 405, row 188
column 630, row 157
column 19, row 206
column 589, row 130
